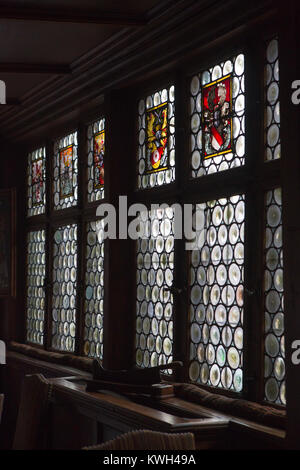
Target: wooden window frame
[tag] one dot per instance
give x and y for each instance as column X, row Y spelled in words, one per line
column 253, row 180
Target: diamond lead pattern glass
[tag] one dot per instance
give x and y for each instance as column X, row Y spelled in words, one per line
column 155, row 263
column 36, row 173
column 217, row 112
column 96, row 156
column 272, row 117
column 65, row 189
column 274, row 301
column 35, row 287
column 94, row 293
column 216, row 294
column 156, row 139
column 64, row 288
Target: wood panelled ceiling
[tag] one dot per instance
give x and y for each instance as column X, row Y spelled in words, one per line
column 56, row 53
column 43, row 38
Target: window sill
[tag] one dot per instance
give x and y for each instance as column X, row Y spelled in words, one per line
column 265, row 415
column 238, row 407
column 67, row 360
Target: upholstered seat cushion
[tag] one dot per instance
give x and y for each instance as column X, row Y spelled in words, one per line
column 81, row 363
column 263, row 414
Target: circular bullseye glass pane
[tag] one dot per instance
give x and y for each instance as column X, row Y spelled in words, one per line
column 204, row 373
column 220, row 315
column 278, row 324
column 226, row 377
column 273, row 93
column 272, row 51
column 272, row 345
column 272, row 301
column 239, row 64
column 238, row 380
column 221, row 356
column 273, row 135
column 194, row 371
column 215, row 375
column 271, row 390
column 233, row 358
column 195, row 333
column 273, row 215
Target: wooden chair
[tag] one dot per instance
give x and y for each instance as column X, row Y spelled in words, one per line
column 32, row 414
column 148, row 440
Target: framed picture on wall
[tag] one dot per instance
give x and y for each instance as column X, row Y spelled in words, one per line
column 7, row 243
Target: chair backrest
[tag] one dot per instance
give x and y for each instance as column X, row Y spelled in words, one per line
column 148, row 440
column 32, row 414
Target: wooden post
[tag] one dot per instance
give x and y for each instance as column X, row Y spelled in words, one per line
column 119, row 258
column 289, row 45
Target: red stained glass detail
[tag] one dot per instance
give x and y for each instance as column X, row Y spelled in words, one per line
column 217, row 117
column 66, row 172
column 99, row 150
column 37, row 182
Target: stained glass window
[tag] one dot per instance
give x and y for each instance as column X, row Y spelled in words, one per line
column 65, row 189
column 216, row 294
column 156, row 138
column 272, row 117
column 155, row 263
column 36, row 182
column 64, row 288
column 36, row 263
column 96, row 156
column 94, row 293
column 217, row 110
column 274, row 301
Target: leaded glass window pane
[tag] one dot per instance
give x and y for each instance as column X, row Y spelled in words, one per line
column 156, row 139
column 36, row 265
column 217, row 111
column 36, row 175
column 154, row 306
column 64, row 288
column 272, row 115
column 94, row 293
column 216, row 294
column 96, row 155
column 65, row 186
column 274, row 300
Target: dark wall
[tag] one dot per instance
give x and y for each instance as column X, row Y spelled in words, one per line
column 13, row 175
column 70, row 429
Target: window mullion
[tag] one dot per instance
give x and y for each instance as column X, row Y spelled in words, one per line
column 49, row 287
column 253, row 303
column 181, row 256
column 48, row 246
column 80, row 238
column 254, row 228
column 119, row 283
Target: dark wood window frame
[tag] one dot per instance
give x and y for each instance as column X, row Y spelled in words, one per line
column 253, row 179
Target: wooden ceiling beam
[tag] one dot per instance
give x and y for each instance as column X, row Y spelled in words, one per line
column 57, row 15
column 56, row 69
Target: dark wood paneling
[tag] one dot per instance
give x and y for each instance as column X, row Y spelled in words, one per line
column 289, row 45
column 172, row 36
column 13, row 374
column 119, row 279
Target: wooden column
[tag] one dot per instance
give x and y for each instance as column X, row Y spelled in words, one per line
column 119, row 281
column 289, row 53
